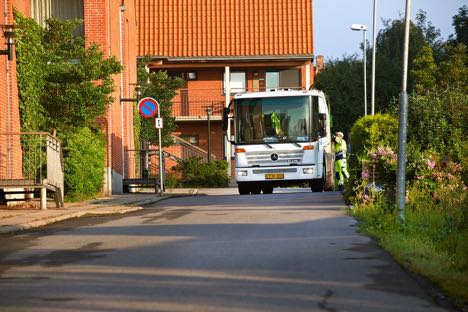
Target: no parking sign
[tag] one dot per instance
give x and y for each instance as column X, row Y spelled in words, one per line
column 148, row 107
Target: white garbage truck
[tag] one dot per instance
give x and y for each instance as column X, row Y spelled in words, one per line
column 280, row 138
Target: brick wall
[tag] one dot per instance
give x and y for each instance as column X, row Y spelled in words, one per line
column 10, row 151
column 112, row 25
column 200, row 129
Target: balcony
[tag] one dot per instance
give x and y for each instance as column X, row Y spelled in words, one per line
column 197, row 109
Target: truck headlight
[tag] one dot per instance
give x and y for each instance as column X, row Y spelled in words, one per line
column 242, row 173
column 308, row 170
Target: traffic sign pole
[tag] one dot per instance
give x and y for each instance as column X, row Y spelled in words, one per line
column 161, row 180
column 148, row 107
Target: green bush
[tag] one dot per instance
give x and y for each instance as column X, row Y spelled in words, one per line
column 84, row 156
column 442, row 123
column 194, row 173
column 371, row 132
column 433, row 241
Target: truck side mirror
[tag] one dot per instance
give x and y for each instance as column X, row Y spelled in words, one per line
column 226, row 111
column 323, row 124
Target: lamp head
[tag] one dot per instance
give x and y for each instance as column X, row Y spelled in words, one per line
column 358, row 27
column 9, row 34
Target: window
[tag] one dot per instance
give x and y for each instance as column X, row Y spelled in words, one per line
column 70, row 9
column 238, row 82
column 273, row 120
column 272, row 80
column 284, row 79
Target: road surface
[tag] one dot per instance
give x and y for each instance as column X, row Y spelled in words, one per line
column 288, row 251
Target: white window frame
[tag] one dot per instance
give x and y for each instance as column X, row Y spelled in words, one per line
column 238, row 85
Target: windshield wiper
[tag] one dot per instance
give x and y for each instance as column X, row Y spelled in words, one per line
column 296, row 144
column 268, row 145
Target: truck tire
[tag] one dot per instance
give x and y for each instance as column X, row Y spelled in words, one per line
column 267, row 189
column 318, row 185
column 254, row 189
column 243, row 188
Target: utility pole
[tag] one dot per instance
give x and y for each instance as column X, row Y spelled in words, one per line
column 373, row 57
column 402, row 121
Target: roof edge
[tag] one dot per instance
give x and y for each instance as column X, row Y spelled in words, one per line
column 241, row 58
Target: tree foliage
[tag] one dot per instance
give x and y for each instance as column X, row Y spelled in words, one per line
column 389, row 61
column 460, row 23
column 342, row 81
column 371, row 132
column 84, row 163
column 78, row 79
column 65, row 85
column 453, row 71
column 30, row 73
column 162, row 87
column 424, row 70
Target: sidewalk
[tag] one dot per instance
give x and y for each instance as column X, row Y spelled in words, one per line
column 15, row 220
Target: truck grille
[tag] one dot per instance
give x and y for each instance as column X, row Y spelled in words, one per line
column 264, row 158
column 282, row 170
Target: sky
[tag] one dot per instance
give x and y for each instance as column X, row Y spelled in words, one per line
column 333, row 37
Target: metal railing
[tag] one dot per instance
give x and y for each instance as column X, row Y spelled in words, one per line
column 196, row 108
column 194, row 103
column 31, row 160
column 147, row 160
column 188, row 150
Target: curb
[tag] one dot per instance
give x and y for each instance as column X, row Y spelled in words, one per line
column 104, row 210
column 8, row 229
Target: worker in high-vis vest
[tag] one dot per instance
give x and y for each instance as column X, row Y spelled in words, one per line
column 341, row 172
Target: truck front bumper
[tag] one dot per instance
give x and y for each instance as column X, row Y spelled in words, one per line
column 286, row 173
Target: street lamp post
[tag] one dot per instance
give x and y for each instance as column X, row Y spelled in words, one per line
column 358, row 27
column 373, row 57
column 403, row 121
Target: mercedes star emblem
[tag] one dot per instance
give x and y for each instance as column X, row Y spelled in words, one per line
column 274, row 157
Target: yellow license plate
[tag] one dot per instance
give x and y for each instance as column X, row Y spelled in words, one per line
column 274, row 176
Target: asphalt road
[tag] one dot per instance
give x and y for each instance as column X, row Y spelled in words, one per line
column 288, row 251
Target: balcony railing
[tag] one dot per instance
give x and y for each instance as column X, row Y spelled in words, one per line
column 192, row 104
column 40, row 156
column 197, row 108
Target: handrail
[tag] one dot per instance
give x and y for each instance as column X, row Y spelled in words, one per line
column 188, row 145
column 191, row 146
column 38, row 158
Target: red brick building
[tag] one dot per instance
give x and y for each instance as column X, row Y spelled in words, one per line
column 262, row 44
column 10, row 151
column 111, row 24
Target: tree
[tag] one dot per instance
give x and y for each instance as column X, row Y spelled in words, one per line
column 342, row 81
column 389, row 59
column 424, row 70
column 78, row 80
column 460, row 23
column 432, row 36
column 453, row 71
column 64, row 85
column 160, row 86
column 30, row 72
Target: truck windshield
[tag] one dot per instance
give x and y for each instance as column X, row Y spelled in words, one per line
column 273, row 120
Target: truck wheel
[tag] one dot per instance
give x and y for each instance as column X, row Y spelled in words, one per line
column 318, row 185
column 243, row 189
column 267, row 189
column 255, row 189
